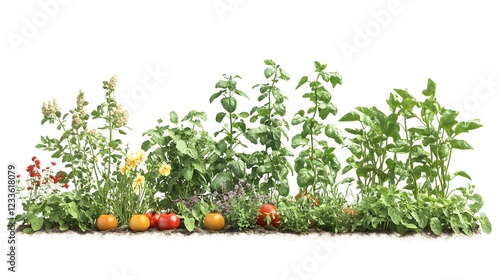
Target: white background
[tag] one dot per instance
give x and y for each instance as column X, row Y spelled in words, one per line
column 52, row 49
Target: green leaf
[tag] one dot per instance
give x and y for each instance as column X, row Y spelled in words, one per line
column 305, row 178
column 403, row 93
column 222, row 84
column 351, row 116
column 298, row 141
column 36, row 223
column 220, row 116
column 173, row 117
column 280, row 109
column 229, row 104
column 467, row 126
column 435, row 225
column 241, row 93
column 431, row 88
column 269, row 62
column 302, row 81
column 460, row 144
column 238, row 168
column 298, row 118
column 192, row 153
column 448, row 119
column 485, row 223
column 244, row 115
column 73, row 209
column 215, row 96
column 182, row 147
column 335, row 133
column 463, row 174
column 189, row 223
column 269, row 72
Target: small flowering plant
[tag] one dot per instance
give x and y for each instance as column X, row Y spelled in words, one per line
column 41, row 181
column 49, row 202
column 131, row 194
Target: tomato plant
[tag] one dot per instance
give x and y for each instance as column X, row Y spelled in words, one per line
column 107, row 222
column 139, row 222
column 153, row 217
column 268, row 215
column 214, row 221
column 168, row 221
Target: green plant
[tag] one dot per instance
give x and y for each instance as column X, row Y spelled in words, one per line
column 317, row 165
column 47, row 202
column 269, row 167
column 131, row 194
column 226, row 164
column 177, row 163
column 409, row 152
column 91, row 155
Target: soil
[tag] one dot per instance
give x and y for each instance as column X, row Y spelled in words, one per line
column 256, row 231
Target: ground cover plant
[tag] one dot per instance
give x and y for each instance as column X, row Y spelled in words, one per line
column 397, row 176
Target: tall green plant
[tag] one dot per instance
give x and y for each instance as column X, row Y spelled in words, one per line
column 227, row 164
column 316, row 164
column 269, row 167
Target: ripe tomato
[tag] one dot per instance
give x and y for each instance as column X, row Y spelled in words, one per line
column 268, row 210
column 168, row 221
column 305, row 195
column 107, row 222
column 153, row 217
column 139, row 222
column 213, row 221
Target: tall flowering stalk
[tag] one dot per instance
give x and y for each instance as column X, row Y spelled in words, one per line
column 90, row 145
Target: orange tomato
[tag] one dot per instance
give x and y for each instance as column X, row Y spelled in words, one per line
column 107, row 222
column 213, row 221
column 139, row 222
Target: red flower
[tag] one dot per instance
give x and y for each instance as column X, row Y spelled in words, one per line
column 66, row 185
column 37, row 183
column 30, row 168
column 37, row 162
column 29, row 188
column 33, row 158
column 53, row 163
column 18, row 175
column 56, row 180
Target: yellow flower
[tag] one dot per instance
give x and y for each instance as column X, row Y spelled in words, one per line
column 124, row 169
column 165, row 169
column 139, row 180
column 137, row 189
column 135, row 159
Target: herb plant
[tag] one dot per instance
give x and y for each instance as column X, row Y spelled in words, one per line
column 316, row 164
column 269, row 167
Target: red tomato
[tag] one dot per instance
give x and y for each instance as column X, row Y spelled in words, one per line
column 168, row 221
column 268, row 210
column 153, row 217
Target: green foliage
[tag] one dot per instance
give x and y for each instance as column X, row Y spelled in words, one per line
column 227, row 164
column 269, row 167
column 316, row 164
column 187, row 149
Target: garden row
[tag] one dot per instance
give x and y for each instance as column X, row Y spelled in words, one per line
column 396, row 176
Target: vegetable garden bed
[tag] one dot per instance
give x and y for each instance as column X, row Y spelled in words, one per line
column 395, row 178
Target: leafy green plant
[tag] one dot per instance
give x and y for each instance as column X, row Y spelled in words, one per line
column 47, row 203
column 402, row 163
column 177, row 163
column 316, row 164
column 269, row 167
column 227, row 164
column 91, row 155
